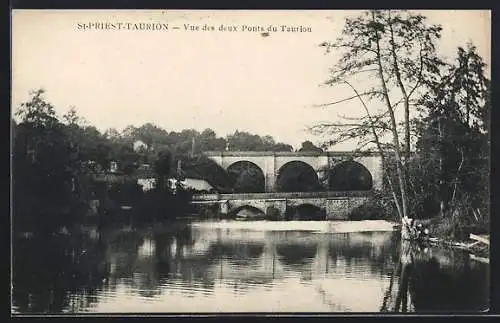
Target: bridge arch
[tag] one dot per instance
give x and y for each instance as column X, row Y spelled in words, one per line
column 350, row 176
column 246, row 177
column 306, row 211
column 297, row 176
column 247, row 211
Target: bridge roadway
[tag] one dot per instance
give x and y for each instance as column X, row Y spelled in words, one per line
column 335, row 204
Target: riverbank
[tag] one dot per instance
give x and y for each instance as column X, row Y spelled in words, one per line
column 478, row 250
column 454, row 232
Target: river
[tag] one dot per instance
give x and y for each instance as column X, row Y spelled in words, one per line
column 209, row 267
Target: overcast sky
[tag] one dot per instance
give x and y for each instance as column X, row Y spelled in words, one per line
column 177, row 79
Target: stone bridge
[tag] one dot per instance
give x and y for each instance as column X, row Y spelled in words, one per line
column 282, row 206
column 332, row 166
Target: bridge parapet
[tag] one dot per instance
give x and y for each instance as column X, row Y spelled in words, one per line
column 336, row 205
column 288, row 153
column 288, row 195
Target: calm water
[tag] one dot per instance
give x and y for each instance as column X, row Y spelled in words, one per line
column 193, row 268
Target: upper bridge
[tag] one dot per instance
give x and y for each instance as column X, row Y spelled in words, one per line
column 301, row 171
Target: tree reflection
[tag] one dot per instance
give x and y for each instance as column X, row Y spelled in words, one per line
column 241, row 254
column 73, row 273
column 57, row 274
column 296, row 255
column 375, row 250
column 425, row 284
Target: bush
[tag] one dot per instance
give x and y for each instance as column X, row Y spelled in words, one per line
column 458, row 224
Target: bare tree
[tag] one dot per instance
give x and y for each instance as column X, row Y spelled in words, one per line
column 394, row 51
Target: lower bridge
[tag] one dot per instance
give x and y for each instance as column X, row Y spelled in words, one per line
column 285, row 206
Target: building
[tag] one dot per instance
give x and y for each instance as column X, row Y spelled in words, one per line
column 140, row 145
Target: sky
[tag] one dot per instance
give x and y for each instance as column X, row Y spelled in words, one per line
column 178, row 79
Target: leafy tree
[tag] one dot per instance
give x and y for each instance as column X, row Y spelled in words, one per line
column 112, row 134
column 454, row 135
column 44, row 173
column 245, row 141
column 201, row 167
column 208, row 141
column 128, row 159
column 37, row 111
column 309, row 146
column 282, row 147
column 149, row 134
column 162, row 168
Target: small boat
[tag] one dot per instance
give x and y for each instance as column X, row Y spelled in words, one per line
column 481, row 238
column 480, row 259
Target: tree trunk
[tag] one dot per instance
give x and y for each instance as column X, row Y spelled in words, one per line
column 457, row 177
column 406, row 268
column 401, row 86
column 395, row 138
column 442, row 188
column 379, row 147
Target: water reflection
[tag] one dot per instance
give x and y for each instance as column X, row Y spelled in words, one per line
column 179, row 268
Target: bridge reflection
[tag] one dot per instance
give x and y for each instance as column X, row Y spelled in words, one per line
column 346, row 272
column 246, row 255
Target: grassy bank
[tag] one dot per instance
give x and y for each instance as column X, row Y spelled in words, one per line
column 457, row 227
column 454, row 230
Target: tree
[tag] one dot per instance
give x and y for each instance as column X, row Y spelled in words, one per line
column 282, row 147
column 395, row 49
column 454, row 134
column 44, row 173
column 162, row 168
column 245, row 141
column 201, row 167
column 309, row 146
column 150, row 134
column 208, row 141
column 112, row 134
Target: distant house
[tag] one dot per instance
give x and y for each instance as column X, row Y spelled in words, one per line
column 92, row 167
column 198, row 185
column 146, row 183
column 146, row 177
column 139, row 145
column 113, row 167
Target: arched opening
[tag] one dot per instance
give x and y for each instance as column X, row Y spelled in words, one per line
column 307, row 212
column 246, row 177
column 247, row 212
column 297, row 176
column 350, row 176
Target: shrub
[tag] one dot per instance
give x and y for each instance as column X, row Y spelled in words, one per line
column 459, row 223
